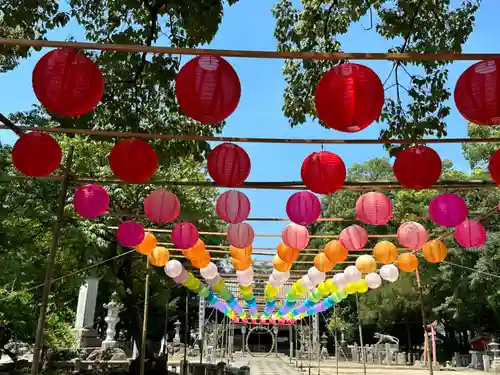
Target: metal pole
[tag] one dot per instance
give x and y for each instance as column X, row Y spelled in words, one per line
column 310, row 345
column 276, row 342
column 424, row 320
column 49, row 268
column 165, row 331
column 186, row 332
column 290, row 339
column 144, row 338
column 361, row 336
column 216, row 330
column 337, row 351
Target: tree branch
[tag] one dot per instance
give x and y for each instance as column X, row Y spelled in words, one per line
column 9, row 124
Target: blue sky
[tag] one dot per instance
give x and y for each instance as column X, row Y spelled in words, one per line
column 259, row 113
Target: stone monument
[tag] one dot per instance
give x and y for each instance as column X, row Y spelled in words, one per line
column 111, row 319
column 86, row 336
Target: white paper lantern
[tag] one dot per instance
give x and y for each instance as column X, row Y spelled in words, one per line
column 281, row 276
column 275, row 283
column 307, row 283
column 173, row 268
column 389, row 272
column 352, row 274
column 373, row 280
column 340, row 281
column 183, row 277
column 213, row 281
column 245, row 277
column 316, row 276
column 209, row 272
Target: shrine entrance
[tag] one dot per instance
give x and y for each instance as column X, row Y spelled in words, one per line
column 260, row 340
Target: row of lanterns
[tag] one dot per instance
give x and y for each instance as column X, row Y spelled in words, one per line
column 348, row 98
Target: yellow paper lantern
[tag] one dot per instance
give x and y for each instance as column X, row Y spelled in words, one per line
column 434, row 251
column 159, row 257
column 407, row 262
column 280, row 265
column 335, row 251
column 242, row 264
column 366, row 264
column 350, row 288
column 385, row 252
column 147, row 245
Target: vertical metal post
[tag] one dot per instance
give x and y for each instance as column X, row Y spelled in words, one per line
column 186, row 332
column 165, row 330
column 290, row 339
column 337, row 351
column 361, row 335
column 49, row 268
column 310, row 333
column 424, row 320
column 144, row 338
column 216, row 330
column 201, row 324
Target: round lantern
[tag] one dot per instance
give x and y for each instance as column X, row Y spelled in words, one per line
column 353, row 237
column 184, row 235
column 448, row 210
column 389, row 272
column 477, row 93
column 352, row 274
column 385, row 252
column 162, row 206
column 322, row 263
column 303, row 208
column 197, row 251
column 412, row 235
column 287, row 254
column 133, row 161
column 208, row 89
column 295, row 236
column 366, row 264
column 280, row 276
column 470, row 233
column 307, row 283
column 240, row 235
column 233, row 207
column 407, row 262
column 494, row 167
column 316, row 276
column 182, row 278
column 434, row 251
column 202, row 261
column 36, row 154
column 209, row 272
column 67, row 83
column 245, row 277
column 373, row 280
column 335, row 251
column 242, row 264
column 340, row 280
column 159, row 257
column 323, row 172
column 147, row 245
column 280, row 265
column 349, row 97
column 229, row 165
column 373, row 208
column 130, row 234
column 417, row 167
column 91, row 200
column 173, row 268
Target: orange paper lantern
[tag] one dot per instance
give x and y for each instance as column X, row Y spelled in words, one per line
column 159, row 257
column 385, row 252
column 335, row 251
column 240, row 253
column 242, row 264
column 147, row 245
column 434, row 251
column 287, row 254
column 407, row 262
column 202, row 261
column 366, row 264
column 196, row 252
column 280, row 265
column 322, row 263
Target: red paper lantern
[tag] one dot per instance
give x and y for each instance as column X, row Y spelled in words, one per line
column 36, row 154
column 412, row 235
column 303, row 208
column 162, row 206
column 470, row 233
column 374, row 208
column 229, row 165
column 184, row 235
column 349, row 97
column 417, row 167
column 233, row 206
column 477, row 93
column 323, row 172
column 67, row 83
column 353, row 237
column 240, row 235
column 494, row 166
column 208, row 89
column 133, row 161
column 91, row 200
column 295, row 236
column 130, row 234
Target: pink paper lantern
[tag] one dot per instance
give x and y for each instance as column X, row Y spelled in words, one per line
column 353, row 237
column 162, row 206
column 295, row 236
column 448, row 210
column 91, row 200
column 233, row 206
column 184, row 235
column 130, row 234
column 303, row 208
column 470, row 233
column 374, row 208
column 240, row 235
column 281, row 321
column 412, row 235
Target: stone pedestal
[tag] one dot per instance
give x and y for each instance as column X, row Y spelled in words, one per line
column 86, row 336
column 486, row 362
column 474, row 360
column 111, row 319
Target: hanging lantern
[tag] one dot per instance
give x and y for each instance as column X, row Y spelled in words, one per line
column 240, row 252
column 159, row 257
column 173, row 268
column 340, row 280
column 373, row 208
column 233, row 207
column 322, row 263
column 335, row 251
column 470, row 233
column 67, row 83
column 130, row 234
column 407, row 262
column 412, row 235
column 477, row 93
column 295, row 236
column 389, row 272
column 303, row 208
column 162, row 206
column 434, row 251
column 91, row 200
column 242, row 264
column 240, row 235
column 366, row 264
column 323, row 172
column 36, row 154
column 184, row 235
column 349, row 97
column 417, row 167
column 280, row 265
column 353, row 237
column 494, row 167
column 208, row 89
column 229, row 165
column 202, row 261
column 147, row 245
column 209, row 272
column 133, row 161
column 385, row 252
column 197, row 251
column 316, row 276
column 448, row 210
column 373, row 280
column 352, row 274
column 287, row 254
